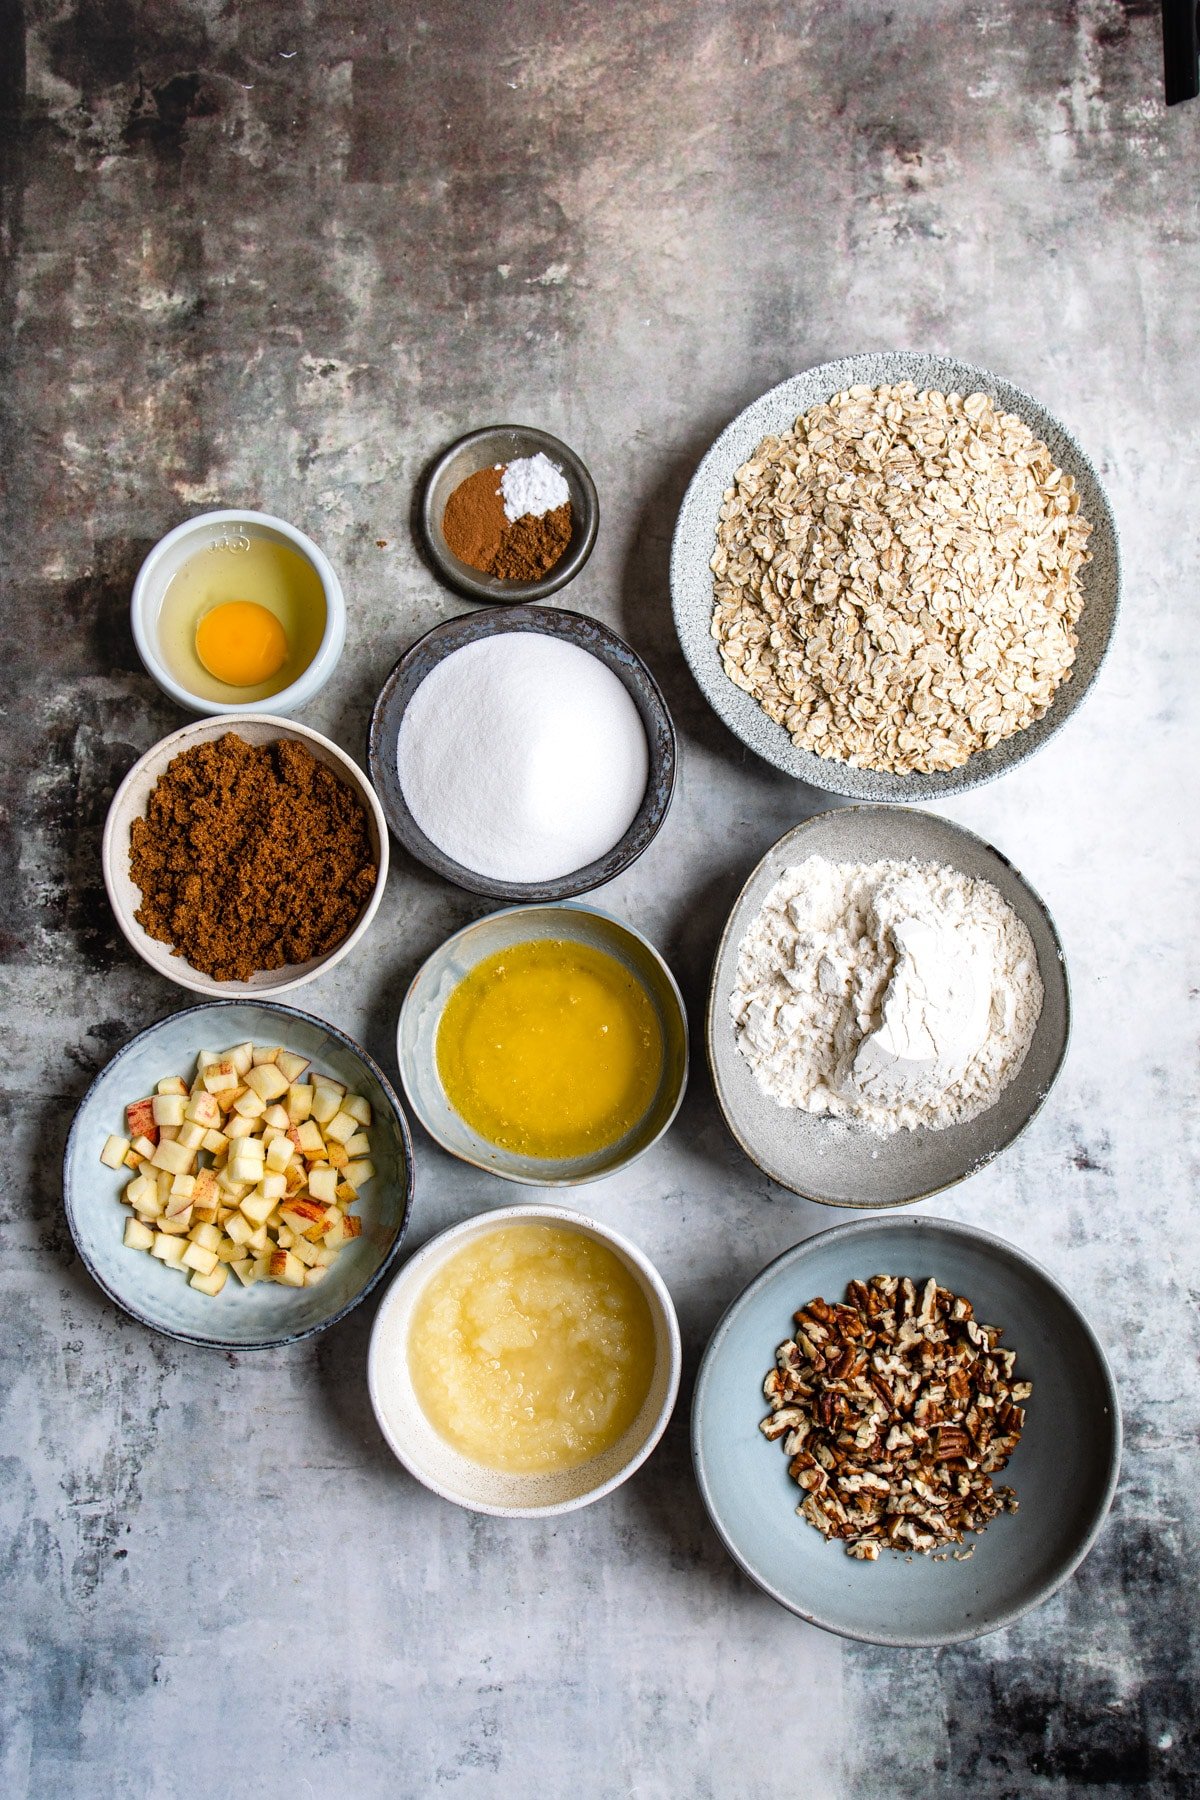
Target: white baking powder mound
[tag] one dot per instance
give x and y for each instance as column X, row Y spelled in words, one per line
column 522, row 757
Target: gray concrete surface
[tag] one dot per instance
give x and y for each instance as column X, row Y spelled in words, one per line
column 279, row 255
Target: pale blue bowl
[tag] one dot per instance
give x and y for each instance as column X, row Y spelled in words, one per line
column 238, row 1318
column 1064, row 1469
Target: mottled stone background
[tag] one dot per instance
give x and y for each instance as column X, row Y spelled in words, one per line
column 279, row 254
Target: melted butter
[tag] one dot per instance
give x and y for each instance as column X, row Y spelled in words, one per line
column 550, row 1049
column 531, row 1349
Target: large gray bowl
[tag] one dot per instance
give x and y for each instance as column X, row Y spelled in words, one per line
column 832, row 1160
column 695, row 541
column 1064, row 1470
column 573, row 628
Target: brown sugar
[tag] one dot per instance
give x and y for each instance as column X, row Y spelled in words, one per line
column 251, row 857
column 532, row 545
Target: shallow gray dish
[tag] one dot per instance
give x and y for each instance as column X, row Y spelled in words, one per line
column 841, row 1164
column 265, row 1315
column 1064, row 1470
column 480, row 450
column 437, row 978
column 573, row 628
column 695, row 541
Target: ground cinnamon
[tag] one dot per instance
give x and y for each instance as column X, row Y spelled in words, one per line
column 478, row 531
column 251, row 857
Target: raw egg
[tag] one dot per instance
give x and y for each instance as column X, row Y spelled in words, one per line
column 241, row 643
column 241, row 619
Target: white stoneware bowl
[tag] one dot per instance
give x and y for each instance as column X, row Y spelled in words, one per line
column 445, row 1470
column 214, row 530
column 129, row 803
column 238, row 1318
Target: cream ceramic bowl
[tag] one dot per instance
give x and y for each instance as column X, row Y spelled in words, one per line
column 129, row 803
column 205, row 532
column 455, row 1477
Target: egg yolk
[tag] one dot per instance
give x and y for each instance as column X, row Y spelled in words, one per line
column 241, row 643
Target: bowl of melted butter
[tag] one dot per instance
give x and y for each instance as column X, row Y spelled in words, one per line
column 546, row 1044
column 232, row 609
column 525, row 1362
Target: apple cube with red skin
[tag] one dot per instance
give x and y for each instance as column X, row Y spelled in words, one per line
column 139, row 1117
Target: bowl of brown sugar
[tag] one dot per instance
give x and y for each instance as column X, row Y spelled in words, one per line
column 508, row 514
column 244, row 855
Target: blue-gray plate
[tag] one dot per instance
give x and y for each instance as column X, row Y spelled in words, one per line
column 1064, row 1470
column 238, row 1318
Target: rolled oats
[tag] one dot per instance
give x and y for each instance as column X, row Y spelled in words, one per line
column 896, row 579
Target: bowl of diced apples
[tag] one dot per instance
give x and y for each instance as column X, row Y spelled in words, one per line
column 239, row 1176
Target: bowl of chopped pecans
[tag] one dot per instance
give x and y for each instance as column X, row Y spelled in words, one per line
column 905, row 1432
column 895, row 575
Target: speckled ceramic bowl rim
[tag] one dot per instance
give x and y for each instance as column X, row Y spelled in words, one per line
column 487, row 588
column 833, row 775
column 491, row 1168
column 356, row 778
column 313, row 675
column 711, row 1013
column 573, row 628
column 998, row 1247
column 544, row 1214
column 70, row 1156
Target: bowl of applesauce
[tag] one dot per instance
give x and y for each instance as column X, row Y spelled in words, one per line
column 525, row 1362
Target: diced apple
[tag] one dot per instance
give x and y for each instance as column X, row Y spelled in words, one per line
column 299, row 1102
column 239, row 1228
column 245, row 1271
column 358, row 1108
column 150, row 1206
column 313, row 1276
column 213, row 1282
column 358, row 1173
column 264, row 1053
column 335, row 1237
column 273, row 1185
column 322, row 1184
column 237, row 1128
column 198, row 1258
column 214, row 1142
column 358, row 1145
column 309, row 1139
column 276, row 1117
column 191, row 1135
column 206, row 1058
column 292, row 1065
column 351, row 1225
column 228, row 1251
column 302, row 1215
column 172, row 1084
column 325, row 1258
column 146, row 1145
column 257, row 1208
column 302, row 1250
column 259, row 1240
column 173, row 1158
column 285, row 1237
column 295, row 1178
column 132, row 1159
column 207, row 1236
column 204, row 1110
column 279, row 1154
column 168, row 1109
column 115, row 1150
column 141, row 1185
column 184, row 1187
column 229, row 1098
column 234, row 1191
column 139, row 1117
column 177, row 1205
column 168, row 1249
column 177, row 1227
column 251, row 1105
column 338, row 1155
column 167, row 1134
column 221, row 1077
column 137, row 1235
column 241, row 1056
column 287, row 1269
column 345, row 1193
column 326, row 1104
column 268, row 1082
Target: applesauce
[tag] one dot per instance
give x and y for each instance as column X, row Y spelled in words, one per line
column 532, row 1348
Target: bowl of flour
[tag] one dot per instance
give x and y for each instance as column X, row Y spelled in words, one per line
column 889, row 1007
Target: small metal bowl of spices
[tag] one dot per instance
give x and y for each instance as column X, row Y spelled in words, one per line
column 509, row 514
column 545, row 1044
column 244, row 855
column 525, row 754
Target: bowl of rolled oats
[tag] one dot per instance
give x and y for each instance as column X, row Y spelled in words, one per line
column 895, row 575
column 906, row 1432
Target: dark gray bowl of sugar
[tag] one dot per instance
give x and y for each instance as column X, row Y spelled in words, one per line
column 838, row 1162
column 493, row 445
column 422, row 657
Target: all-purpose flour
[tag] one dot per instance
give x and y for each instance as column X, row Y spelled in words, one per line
column 899, row 994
